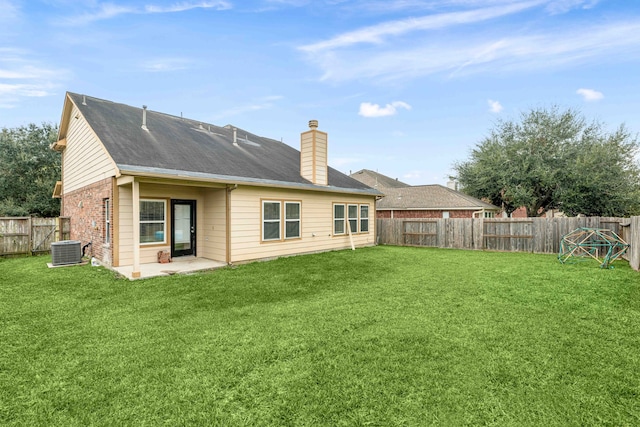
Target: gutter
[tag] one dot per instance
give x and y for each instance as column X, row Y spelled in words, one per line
column 153, row 172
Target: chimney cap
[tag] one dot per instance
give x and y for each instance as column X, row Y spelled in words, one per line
column 313, row 124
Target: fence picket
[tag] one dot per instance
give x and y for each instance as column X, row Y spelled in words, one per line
column 27, row 235
column 539, row 235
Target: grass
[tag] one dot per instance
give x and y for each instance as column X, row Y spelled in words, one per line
column 380, row 336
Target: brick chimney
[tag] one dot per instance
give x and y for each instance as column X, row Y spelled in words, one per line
column 313, row 155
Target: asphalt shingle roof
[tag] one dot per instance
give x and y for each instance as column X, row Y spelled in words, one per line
column 377, row 180
column 432, row 197
column 179, row 144
column 399, row 195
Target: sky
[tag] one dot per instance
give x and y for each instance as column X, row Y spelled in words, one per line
column 403, row 87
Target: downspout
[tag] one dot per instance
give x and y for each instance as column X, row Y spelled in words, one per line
column 230, row 188
column 478, row 212
column 375, row 219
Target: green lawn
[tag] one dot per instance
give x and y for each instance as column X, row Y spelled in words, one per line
column 381, row 336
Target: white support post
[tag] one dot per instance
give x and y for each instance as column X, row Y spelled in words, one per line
column 135, row 191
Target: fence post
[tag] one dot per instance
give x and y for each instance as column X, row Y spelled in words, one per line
column 634, row 242
column 30, row 231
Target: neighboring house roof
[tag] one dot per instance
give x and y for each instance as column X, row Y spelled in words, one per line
column 377, row 180
column 176, row 146
column 429, row 197
column 401, row 196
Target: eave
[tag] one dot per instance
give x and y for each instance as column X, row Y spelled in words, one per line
column 443, row 208
column 59, row 145
column 152, row 172
column 57, row 190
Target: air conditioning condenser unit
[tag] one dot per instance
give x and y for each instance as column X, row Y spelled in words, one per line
column 66, row 252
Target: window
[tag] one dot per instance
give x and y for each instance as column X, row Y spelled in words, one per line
column 445, row 214
column 292, row 220
column 353, row 218
column 107, row 222
column 152, row 221
column 274, row 225
column 338, row 219
column 270, row 220
column 489, row 214
column 357, row 215
column 364, row 218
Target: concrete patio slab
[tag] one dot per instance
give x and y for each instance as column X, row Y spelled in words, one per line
column 181, row 265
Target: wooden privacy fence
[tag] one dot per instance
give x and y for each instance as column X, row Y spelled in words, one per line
column 27, row 235
column 540, row 235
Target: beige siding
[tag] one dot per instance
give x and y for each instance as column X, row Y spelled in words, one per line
column 316, row 223
column 321, row 158
column 246, row 222
column 306, row 155
column 125, row 226
column 85, row 159
column 215, row 236
column 210, row 222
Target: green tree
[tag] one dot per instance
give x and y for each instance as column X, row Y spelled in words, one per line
column 555, row 159
column 29, row 171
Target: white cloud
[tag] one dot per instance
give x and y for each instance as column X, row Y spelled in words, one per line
column 374, row 110
column 377, row 33
column 263, row 103
column 8, row 10
column 184, row 6
column 105, row 11
column 19, row 89
column 165, row 64
column 590, row 94
column 24, row 77
column 562, row 6
column 108, row 10
column 471, row 54
column 494, row 106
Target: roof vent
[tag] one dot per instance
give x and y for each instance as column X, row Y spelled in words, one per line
column 313, row 124
column 84, row 99
column 235, row 137
column 144, row 118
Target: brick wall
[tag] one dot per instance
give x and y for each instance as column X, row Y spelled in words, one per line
column 519, row 213
column 424, row 214
column 86, row 208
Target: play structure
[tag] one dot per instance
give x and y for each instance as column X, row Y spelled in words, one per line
column 583, row 243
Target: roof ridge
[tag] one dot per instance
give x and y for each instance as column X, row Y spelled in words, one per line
column 464, row 195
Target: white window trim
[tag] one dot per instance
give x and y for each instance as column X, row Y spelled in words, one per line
column 299, row 220
column 107, row 222
column 360, row 219
column 343, row 219
column 346, row 219
column 163, row 222
column 279, row 220
column 356, row 218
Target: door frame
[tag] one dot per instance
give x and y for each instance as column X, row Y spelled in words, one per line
column 193, row 233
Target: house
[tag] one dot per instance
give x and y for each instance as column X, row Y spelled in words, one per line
column 377, row 180
column 422, row 201
column 136, row 182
